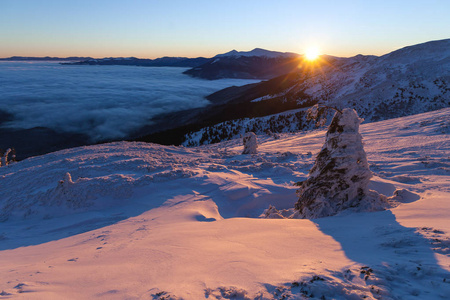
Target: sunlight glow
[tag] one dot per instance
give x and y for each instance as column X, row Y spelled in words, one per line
column 312, row 54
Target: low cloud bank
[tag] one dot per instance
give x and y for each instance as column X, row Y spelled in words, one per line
column 103, row 102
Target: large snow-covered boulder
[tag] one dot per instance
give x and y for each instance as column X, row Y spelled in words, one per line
column 250, row 143
column 340, row 176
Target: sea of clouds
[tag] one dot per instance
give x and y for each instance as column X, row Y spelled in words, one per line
column 104, row 102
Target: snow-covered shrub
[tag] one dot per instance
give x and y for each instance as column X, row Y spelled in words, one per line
column 340, row 176
column 275, row 136
column 4, row 156
column 290, row 121
column 250, row 143
column 67, row 182
column 273, row 213
column 318, row 114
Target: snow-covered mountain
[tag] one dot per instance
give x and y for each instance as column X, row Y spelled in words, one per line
column 411, row 80
column 133, row 220
column 257, row 63
column 257, row 52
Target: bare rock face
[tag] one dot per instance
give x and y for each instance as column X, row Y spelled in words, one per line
column 250, row 143
column 340, row 176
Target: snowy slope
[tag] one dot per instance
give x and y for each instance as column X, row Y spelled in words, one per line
column 408, row 81
column 288, row 121
column 143, row 221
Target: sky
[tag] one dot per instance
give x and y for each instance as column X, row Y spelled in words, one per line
column 156, row 28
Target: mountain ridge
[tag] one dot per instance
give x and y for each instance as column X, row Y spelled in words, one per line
column 255, row 64
column 165, row 61
column 44, row 58
column 407, row 81
column 256, row 52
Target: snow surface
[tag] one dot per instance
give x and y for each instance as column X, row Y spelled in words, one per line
column 144, row 221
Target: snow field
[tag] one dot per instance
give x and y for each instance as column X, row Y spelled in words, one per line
column 143, row 221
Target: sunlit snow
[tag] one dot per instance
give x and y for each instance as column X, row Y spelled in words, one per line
column 143, row 221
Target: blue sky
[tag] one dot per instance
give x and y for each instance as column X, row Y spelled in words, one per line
column 155, row 28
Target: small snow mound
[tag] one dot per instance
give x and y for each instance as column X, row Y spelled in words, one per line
column 404, row 196
column 405, row 178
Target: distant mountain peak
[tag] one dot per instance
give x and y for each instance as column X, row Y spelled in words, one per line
column 256, row 52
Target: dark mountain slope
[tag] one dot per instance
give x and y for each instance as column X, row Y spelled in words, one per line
column 411, row 80
column 133, row 61
column 245, row 67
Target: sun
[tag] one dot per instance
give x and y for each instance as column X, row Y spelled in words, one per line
column 312, row 53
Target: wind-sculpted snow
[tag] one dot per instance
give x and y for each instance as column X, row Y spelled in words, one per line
column 105, row 176
column 143, row 221
column 97, row 178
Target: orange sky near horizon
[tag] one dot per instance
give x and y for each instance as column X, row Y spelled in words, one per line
column 151, row 29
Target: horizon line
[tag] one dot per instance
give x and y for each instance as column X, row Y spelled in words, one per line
column 193, row 57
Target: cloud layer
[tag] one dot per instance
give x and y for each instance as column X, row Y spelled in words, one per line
column 104, row 102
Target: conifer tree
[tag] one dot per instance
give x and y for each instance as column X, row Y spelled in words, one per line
column 250, row 143
column 340, row 176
